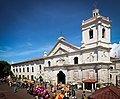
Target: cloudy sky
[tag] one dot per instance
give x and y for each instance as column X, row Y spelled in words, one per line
column 30, row 27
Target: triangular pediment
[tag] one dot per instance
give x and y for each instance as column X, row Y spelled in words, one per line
column 60, row 51
column 62, row 47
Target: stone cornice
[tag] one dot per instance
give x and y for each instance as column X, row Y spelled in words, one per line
column 80, row 66
column 94, row 20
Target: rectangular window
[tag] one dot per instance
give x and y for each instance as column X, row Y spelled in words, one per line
column 32, row 69
column 91, row 34
column 103, row 33
column 27, row 69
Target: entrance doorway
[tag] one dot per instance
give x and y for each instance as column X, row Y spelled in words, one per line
column 88, row 86
column 61, row 77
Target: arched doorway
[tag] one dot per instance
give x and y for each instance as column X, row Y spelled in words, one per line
column 61, row 77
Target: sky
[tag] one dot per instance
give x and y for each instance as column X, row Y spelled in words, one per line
column 28, row 28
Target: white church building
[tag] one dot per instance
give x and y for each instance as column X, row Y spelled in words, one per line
column 66, row 63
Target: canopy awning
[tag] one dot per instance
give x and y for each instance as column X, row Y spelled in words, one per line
column 89, row 81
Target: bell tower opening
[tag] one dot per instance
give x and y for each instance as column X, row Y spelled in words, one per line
column 95, row 12
column 61, row 77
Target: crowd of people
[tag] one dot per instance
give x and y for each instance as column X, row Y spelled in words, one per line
column 39, row 90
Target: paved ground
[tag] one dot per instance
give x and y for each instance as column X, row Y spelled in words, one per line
column 21, row 93
column 9, row 94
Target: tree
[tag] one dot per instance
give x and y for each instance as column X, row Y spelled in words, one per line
column 5, row 69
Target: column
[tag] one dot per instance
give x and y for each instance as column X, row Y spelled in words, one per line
column 92, row 87
column 56, row 81
column 66, row 79
column 83, row 86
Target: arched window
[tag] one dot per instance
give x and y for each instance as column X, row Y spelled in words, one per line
column 19, row 69
column 23, row 69
column 103, row 33
column 76, row 60
column 13, row 70
column 40, row 67
column 91, row 34
column 16, row 70
column 110, row 76
column 49, row 63
column 111, row 68
column 27, row 69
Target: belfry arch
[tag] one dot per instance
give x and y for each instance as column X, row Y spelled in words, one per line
column 61, row 77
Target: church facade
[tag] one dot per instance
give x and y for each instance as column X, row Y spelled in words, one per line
column 66, row 63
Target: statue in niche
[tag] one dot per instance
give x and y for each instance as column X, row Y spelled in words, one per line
column 60, row 61
column 104, row 55
column 90, row 58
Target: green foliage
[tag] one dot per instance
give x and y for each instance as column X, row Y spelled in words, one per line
column 5, row 69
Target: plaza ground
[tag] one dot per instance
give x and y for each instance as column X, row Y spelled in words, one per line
column 7, row 92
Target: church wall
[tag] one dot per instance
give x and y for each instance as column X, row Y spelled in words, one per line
column 52, row 75
column 114, row 71
column 88, row 74
column 70, row 76
column 61, row 60
column 118, row 65
column 48, row 75
column 89, row 56
column 113, row 78
column 103, row 55
column 103, row 75
column 71, row 58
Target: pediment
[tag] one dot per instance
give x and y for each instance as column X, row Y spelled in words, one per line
column 62, row 47
column 60, row 51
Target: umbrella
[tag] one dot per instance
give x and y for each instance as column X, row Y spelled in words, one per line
column 28, row 81
column 59, row 96
column 65, row 89
column 10, row 80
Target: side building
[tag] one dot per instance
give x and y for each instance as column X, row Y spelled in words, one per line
column 66, row 63
column 30, row 69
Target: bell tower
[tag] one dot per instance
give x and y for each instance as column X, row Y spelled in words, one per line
column 96, row 31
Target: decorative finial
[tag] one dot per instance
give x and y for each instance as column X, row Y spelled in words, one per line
column 95, row 10
column 95, row 5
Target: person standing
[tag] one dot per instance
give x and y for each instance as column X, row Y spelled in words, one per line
column 15, row 88
column 66, row 95
column 73, row 94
